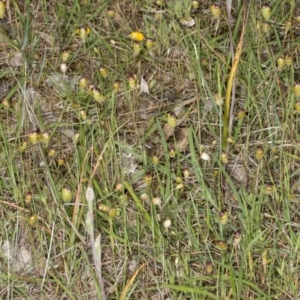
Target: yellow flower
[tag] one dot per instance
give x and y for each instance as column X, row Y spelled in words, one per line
column 137, row 36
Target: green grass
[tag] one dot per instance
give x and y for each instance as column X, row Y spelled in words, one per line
column 110, row 147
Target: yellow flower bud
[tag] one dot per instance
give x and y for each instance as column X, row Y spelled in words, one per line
column 259, row 153
column 103, row 207
column 131, row 81
column 172, row 152
column 150, row 43
column 83, row 32
column 241, row 114
column 28, row 197
column 32, row 220
column 280, row 63
column 116, row 86
column 269, row 189
column 266, row 12
column 208, row 267
column 215, row 10
column 51, row 153
column 97, row 95
column 297, row 107
column 34, row 137
column 2, row 9
column 66, row 194
column 223, row 215
column 23, row 147
column 112, row 212
column 266, row 27
column 288, row 60
column 136, row 47
column 195, row 4
column 221, row 245
column 224, row 157
column 65, row 55
column 171, row 119
column 45, row 137
column 155, row 160
column 148, row 179
column 296, row 89
column 82, row 82
column 111, row 13
column 237, row 238
column 103, row 72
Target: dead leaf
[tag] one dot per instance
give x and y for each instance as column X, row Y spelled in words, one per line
column 238, row 172
column 48, row 39
column 62, row 84
column 16, row 60
column 32, row 97
column 144, row 88
column 182, row 140
column 168, row 131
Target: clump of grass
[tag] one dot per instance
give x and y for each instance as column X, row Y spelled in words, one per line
column 176, row 218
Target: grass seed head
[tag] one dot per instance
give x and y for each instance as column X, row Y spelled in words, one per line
column 266, row 12
column 215, row 10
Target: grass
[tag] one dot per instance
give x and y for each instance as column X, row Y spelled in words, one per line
column 155, row 226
